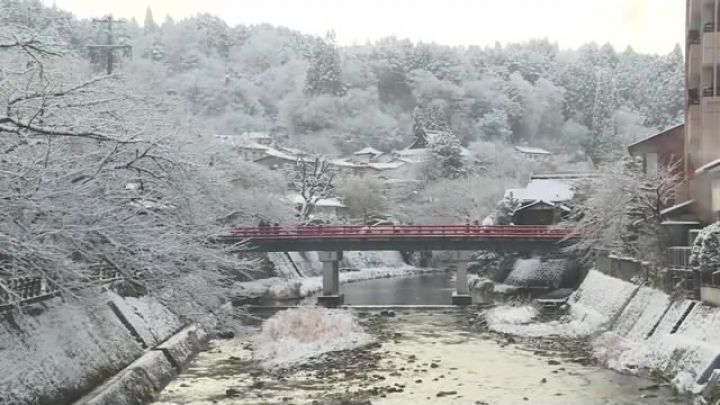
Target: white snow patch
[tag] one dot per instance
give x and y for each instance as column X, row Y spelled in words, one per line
column 593, row 306
column 535, row 273
column 505, row 315
column 297, row 335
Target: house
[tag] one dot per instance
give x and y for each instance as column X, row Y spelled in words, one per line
column 276, row 160
column 540, row 213
column 532, row 153
column 543, row 189
column 366, row 155
column 326, row 207
column 544, row 201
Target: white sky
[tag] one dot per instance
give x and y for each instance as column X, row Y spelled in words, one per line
column 646, row 25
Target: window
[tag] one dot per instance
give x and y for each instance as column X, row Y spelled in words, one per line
column 651, row 164
column 715, row 194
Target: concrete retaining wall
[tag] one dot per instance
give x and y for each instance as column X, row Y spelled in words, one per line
column 61, row 350
column 680, row 339
column 140, row 381
column 55, row 356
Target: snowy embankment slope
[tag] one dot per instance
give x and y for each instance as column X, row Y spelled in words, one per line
column 372, row 265
column 632, row 328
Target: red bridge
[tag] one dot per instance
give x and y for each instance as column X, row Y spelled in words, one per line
column 400, row 237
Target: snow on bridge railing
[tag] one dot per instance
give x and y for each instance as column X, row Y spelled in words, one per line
column 300, row 232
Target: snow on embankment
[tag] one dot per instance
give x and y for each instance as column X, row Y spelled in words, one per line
column 297, row 335
column 633, row 328
column 537, row 273
column 594, row 305
column 661, row 340
column 370, row 265
column 63, row 351
column 280, row 288
column 289, row 264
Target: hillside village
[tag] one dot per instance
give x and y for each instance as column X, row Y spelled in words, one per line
column 402, row 172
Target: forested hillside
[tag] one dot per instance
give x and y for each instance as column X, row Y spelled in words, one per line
column 591, row 100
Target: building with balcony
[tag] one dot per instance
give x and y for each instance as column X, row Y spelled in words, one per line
column 702, row 110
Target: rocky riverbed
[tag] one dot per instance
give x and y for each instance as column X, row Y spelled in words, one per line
column 441, row 357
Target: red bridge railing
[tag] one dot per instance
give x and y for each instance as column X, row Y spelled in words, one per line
column 354, row 231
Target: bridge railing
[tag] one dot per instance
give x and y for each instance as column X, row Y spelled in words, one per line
column 272, row 232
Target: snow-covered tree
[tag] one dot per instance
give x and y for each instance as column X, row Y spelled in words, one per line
column 149, row 26
column 620, row 211
column 446, row 155
column 314, row 180
column 324, row 75
column 92, row 180
column 705, row 254
column 495, row 126
column 506, row 209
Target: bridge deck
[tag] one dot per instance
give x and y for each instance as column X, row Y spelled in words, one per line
column 400, row 237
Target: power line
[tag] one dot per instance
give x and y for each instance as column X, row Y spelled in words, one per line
column 110, row 47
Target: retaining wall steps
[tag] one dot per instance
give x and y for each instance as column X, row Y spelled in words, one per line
column 138, row 383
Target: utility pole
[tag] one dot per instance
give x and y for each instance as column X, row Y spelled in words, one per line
column 110, row 48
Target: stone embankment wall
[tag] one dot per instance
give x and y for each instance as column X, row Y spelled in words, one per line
column 645, row 329
column 122, row 348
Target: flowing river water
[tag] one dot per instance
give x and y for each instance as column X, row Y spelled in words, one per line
column 425, row 357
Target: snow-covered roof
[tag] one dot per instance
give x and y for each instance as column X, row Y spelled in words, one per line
column 548, row 203
column 655, row 135
column 368, row 151
column 345, row 163
column 565, row 175
column 676, row 207
column 543, row 189
column 325, row 202
column 707, row 167
column 387, row 166
column 278, row 154
column 532, row 150
column 252, row 145
column 402, row 181
column 690, row 223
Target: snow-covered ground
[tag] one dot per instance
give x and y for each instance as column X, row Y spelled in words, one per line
column 631, row 327
column 593, row 306
column 296, row 335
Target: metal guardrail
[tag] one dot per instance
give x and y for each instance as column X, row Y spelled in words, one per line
column 353, row 231
column 678, row 257
column 18, row 291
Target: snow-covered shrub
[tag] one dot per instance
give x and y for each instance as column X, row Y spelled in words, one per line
column 705, row 254
column 297, row 335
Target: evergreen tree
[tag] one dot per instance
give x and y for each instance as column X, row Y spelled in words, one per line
column 706, row 249
column 506, row 210
column 149, row 26
column 447, row 155
column 604, row 142
column 324, row 73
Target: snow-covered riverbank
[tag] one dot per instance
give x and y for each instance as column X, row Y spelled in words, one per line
column 301, row 274
column 633, row 329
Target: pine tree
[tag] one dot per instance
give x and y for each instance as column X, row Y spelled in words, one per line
column 604, row 142
column 149, row 26
column 324, row 73
column 506, row 210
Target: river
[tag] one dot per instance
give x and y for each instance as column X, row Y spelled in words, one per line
column 424, row 357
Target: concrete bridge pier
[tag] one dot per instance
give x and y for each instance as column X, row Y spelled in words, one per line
column 331, row 279
column 462, row 293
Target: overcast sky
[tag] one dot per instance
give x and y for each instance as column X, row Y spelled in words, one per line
column 646, row 25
